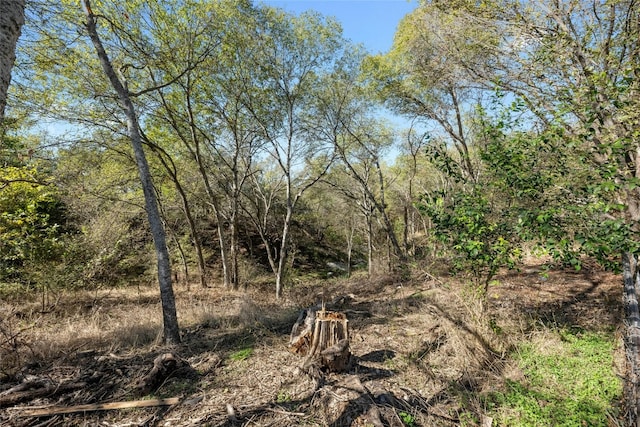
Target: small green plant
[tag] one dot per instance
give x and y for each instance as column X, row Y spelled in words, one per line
column 283, row 397
column 493, row 325
column 407, row 419
column 242, row 354
column 468, row 419
column 390, row 362
column 418, row 296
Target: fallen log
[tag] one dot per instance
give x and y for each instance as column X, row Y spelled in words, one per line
column 48, row 391
column 30, row 384
column 57, row 410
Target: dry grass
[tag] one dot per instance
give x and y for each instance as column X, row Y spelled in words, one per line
column 125, row 319
column 424, row 350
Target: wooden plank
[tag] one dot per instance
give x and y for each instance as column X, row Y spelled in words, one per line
column 56, row 410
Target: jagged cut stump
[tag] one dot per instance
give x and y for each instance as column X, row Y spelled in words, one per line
column 322, row 336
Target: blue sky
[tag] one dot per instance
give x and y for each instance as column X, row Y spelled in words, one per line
column 370, row 22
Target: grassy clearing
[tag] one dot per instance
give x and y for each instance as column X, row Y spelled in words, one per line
column 568, row 379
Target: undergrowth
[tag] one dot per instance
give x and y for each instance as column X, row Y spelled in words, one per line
column 568, row 381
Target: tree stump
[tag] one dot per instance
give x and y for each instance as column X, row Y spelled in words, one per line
column 323, row 337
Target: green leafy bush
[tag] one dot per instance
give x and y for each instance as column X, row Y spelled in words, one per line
column 482, row 239
column 32, row 221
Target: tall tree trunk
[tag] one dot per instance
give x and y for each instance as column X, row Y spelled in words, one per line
column 173, row 236
column 405, row 228
column 283, row 256
column 11, row 21
column 388, row 226
column 270, row 250
column 183, row 258
column 202, row 272
column 217, row 212
column 236, row 193
column 196, row 152
column 369, row 220
column 224, row 251
column 350, row 233
column 233, row 246
column 631, row 277
column 631, row 281
column 169, row 316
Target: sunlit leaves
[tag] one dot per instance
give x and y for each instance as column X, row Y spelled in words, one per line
column 482, row 239
column 31, row 220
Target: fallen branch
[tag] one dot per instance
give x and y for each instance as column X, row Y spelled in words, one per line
column 24, row 386
column 283, row 412
column 57, row 410
column 21, row 396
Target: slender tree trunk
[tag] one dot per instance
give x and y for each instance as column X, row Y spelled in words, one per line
column 11, row 21
column 202, row 270
column 233, row 225
column 376, row 202
column 369, row 245
column 195, row 154
column 233, row 248
column 631, row 281
column 169, row 316
column 631, row 277
column 405, row 228
column 350, row 233
column 262, row 203
column 215, row 202
column 239, row 180
column 224, row 250
column 270, row 250
column 195, row 239
column 284, row 246
column 185, row 264
column 381, row 206
column 172, row 236
column 236, row 192
column 389, row 257
column 410, row 217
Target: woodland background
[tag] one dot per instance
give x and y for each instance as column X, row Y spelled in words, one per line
column 274, row 160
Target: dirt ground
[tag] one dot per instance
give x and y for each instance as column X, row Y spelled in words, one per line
column 422, row 351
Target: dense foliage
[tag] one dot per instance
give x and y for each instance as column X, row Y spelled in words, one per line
column 31, row 223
